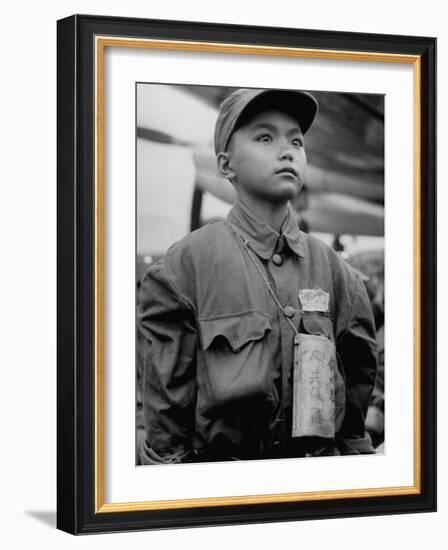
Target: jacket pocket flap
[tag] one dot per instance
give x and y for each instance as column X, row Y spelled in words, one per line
column 237, row 329
column 319, row 325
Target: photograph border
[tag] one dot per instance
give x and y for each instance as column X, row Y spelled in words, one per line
column 82, row 41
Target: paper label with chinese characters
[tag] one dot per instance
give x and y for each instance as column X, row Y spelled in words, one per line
column 313, row 387
column 314, row 299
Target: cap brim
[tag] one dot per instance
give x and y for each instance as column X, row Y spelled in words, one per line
column 301, row 105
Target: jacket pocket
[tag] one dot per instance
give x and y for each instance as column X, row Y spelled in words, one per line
column 237, row 329
column 318, row 324
column 235, row 364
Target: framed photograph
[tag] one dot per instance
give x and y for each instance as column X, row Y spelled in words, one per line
column 246, row 274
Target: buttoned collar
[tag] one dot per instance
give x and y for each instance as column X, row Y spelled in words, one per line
column 261, row 236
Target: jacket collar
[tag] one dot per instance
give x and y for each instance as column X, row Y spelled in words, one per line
column 261, row 236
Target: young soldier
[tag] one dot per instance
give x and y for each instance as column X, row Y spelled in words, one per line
column 260, row 339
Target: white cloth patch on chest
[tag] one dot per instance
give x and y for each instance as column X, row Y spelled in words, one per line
column 314, row 299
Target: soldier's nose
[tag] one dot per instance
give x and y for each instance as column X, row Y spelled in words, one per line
column 286, row 154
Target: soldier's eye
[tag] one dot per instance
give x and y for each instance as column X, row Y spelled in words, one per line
column 264, row 138
column 297, row 142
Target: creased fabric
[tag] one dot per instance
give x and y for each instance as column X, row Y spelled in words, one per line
column 219, row 355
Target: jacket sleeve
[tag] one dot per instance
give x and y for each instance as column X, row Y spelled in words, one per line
column 357, row 351
column 166, row 322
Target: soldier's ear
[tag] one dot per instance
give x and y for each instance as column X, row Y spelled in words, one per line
column 224, row 161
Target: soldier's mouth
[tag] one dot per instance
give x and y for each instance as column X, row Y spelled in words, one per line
column 287, row 170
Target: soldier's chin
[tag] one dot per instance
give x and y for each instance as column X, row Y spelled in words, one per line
column 289, row 192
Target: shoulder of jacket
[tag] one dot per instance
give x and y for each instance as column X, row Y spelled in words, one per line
column 197, row 241
column 195, row 249
column 340, row 267
column 188, row 259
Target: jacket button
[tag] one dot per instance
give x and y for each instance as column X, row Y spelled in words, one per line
column 289, row 311
column 277, row 259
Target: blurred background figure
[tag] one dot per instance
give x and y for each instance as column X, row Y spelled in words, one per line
column 179, row 189
column 371, row 265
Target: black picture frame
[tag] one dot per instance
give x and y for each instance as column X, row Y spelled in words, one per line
column 80, row 507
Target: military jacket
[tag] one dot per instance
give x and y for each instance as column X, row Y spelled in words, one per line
column 219, row 352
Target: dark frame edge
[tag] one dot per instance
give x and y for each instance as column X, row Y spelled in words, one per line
column 66, row 516
column 257, row 514
column 428, row 297
column 235, row 33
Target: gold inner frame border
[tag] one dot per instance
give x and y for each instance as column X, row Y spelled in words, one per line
column 100, row 43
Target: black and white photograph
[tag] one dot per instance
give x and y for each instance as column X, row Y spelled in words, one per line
column 259, row 274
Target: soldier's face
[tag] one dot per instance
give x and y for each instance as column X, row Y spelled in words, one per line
column 267, row 157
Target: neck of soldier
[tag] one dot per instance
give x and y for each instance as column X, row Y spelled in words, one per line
column 274, row 214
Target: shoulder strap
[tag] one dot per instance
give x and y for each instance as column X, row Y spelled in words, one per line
column 251, row 254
